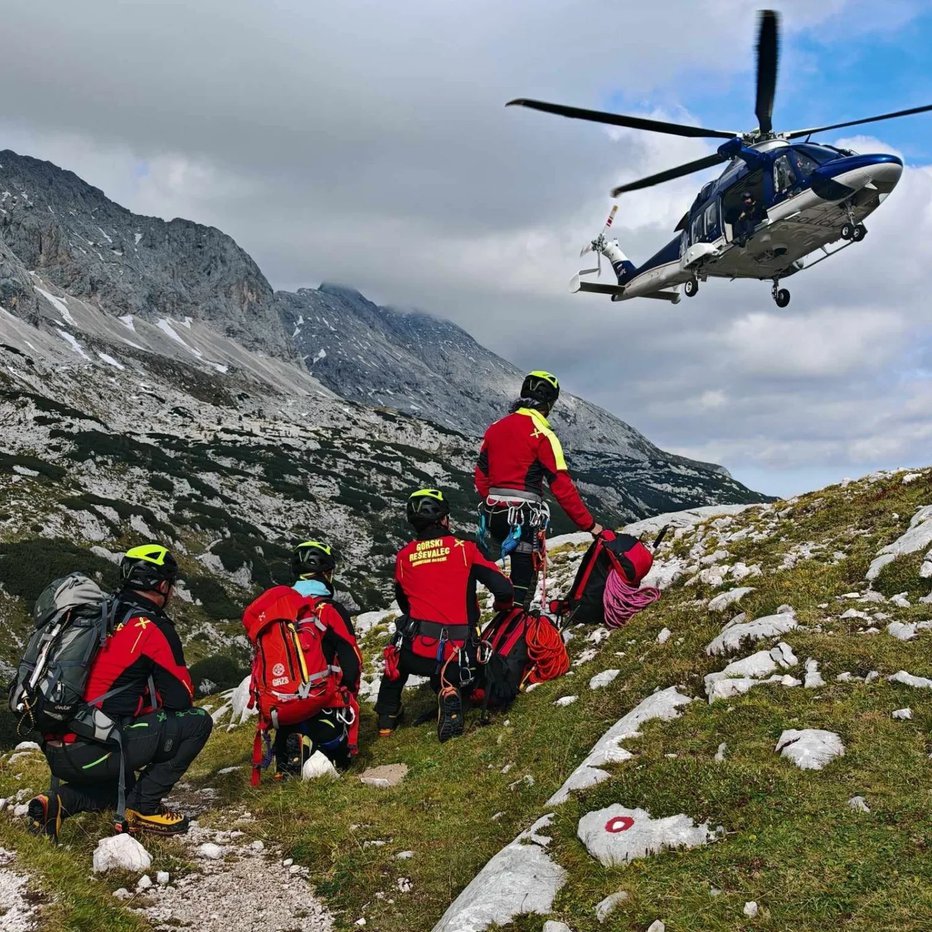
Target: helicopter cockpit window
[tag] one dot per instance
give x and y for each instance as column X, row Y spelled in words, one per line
column 696, row 229
column 784, row 177
column 805, row 165
column 820, row 154
column 712, row 230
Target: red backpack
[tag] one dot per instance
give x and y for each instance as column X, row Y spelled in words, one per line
column 292, row 680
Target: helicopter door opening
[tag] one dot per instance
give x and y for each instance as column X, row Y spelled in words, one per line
column 731, row 201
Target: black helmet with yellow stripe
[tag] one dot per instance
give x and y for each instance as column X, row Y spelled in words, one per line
column 426, row 507
column 541, row 386
column 148, row 566
column 313, row 558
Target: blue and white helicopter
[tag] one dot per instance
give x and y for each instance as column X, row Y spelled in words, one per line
column 804, row 197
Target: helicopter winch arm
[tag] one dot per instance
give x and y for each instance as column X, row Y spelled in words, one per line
column 767, row 57
column 620, row 119
column 874, row 119
column 698, row 165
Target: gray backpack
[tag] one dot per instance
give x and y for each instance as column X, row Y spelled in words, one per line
column 73, row 618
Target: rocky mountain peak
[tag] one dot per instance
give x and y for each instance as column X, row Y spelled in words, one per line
column 74, row 236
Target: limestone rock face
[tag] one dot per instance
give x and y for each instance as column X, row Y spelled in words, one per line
column 73, row 235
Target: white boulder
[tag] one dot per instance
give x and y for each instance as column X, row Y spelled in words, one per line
column 664, row 636
column 239, row 703
column 907, row 679
column 616, row 835
column 520, row 879
column 810, row 748
column 906, row 713
column 564, row 701
column 814, row 679
column 318, row 766
column 210, row 851
column 859, row 804
column 601, row 680
column 917, row 537
column 604, row 908
column 751, row 909
column 120, row 852
column 769, row 626
column 901, row 631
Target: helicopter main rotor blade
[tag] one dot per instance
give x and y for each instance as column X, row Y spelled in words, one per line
column 619, row 119
column 715, row 159
column 768, row 51
column 874, row 119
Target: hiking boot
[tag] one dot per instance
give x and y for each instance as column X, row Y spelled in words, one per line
column 290, row 762
column 389, row 721
column 450, row 715
column 46, row 815
column 163, row 822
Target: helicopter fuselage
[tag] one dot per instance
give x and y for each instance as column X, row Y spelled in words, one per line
column 807, row 195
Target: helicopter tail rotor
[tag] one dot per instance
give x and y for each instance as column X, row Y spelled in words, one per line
column 595, row 245
column 602, row 246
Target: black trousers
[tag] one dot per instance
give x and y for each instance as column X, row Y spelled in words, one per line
column 158, row 748
column 523, row 571
column 326, row 733
column 389, row 700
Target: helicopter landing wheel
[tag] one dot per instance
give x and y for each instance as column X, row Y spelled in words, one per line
column 859, row 232
column 780, row 295
column 691, row 288
column 847, row 231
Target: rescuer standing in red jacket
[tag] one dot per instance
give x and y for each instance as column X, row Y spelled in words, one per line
column 519, row 452
column 437, row 635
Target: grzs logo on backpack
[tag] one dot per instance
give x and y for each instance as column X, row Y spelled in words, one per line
column 280, row 681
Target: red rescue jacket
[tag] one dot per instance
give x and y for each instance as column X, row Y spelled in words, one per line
column 436, row 576
column 144, row 647
column 519, row 452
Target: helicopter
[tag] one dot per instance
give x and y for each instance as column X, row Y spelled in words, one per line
column 778, row 201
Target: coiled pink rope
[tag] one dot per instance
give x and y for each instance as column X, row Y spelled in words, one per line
column 622, row 601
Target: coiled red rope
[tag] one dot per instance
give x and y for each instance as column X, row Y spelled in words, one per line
column 546, row 649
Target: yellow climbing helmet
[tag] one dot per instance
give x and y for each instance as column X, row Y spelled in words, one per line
column 146, row 566
column 313, row 558
column 541, row 386
column 426, row 507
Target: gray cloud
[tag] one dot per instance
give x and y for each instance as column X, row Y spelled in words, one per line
column 367, row 143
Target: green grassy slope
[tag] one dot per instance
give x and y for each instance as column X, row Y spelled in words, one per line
column 791, row 842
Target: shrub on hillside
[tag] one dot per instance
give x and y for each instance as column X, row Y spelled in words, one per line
column 902, row 575
column 221, row 671
column 28, row 566
column 213, row 598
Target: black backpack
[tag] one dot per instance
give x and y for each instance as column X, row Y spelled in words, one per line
column 73, row 618
column 506, row 659
column 519, row 648
column 609, row 553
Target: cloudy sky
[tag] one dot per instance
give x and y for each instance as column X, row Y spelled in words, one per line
column 366, row 143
